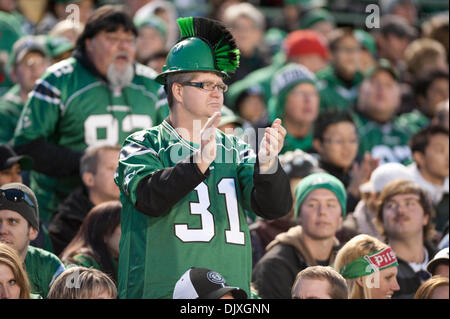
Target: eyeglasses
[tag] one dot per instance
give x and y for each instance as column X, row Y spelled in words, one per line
column 16, row 195
column 208, row 86
column 407, row 203
column 130, row 41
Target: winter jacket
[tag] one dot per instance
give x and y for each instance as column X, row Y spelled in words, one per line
column 68, row 218
column 409, row 280
column 274, row 275
column 358, row 222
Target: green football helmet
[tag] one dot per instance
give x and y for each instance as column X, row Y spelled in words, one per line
column 206, row 46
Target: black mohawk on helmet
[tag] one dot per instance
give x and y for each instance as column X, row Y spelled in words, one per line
column 217, row 36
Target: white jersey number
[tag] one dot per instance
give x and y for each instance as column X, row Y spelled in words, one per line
column 207, row 231
column 110, row 124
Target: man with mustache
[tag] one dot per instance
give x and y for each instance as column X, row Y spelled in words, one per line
column 97, row 96
column 404, row 215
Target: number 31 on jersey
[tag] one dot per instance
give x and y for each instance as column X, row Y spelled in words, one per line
column 233, row 235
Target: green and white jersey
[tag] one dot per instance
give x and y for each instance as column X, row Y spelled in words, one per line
column 292, row 143
column 42, row 268
column 72, row 108
column 415, row 120
column 333, row 93
column 207, row 228
column 388, row 141
column 11, row 106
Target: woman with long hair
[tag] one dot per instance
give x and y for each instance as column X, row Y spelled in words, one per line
column 14, row 282
column 369, row 267
column 96, row 243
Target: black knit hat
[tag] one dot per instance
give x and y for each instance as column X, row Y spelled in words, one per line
column 21, row 199
column 202, row 283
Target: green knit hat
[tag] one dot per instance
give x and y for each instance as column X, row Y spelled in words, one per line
column 320, row 180
column 314, row 16
column 283, row 82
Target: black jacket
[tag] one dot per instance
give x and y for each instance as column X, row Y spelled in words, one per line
column 345, row 178
column 275, row 273
column 408, row 280
column 68, row 218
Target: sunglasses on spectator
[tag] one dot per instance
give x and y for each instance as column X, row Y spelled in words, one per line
column 16, row 196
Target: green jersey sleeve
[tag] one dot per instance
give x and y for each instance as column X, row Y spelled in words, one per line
column 138, row 159
column 42, row 268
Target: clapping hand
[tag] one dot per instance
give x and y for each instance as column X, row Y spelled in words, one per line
column 271, row 146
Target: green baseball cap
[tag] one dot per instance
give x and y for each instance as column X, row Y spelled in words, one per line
column 153, row 22
column 316, row 181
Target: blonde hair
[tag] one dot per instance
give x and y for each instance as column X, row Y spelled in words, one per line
column 357, row 247
column 428, row 287
column 82, row 283
column 10, row 258
column 421, row 51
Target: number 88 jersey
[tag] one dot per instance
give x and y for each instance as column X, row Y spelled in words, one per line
column 72, row 107
column 207, row 228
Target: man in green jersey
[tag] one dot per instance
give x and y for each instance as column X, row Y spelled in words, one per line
column 380, row 132
column 97, row 96
column 185, row 185
column 29, row 61
column 339, row 82
column 19, row 224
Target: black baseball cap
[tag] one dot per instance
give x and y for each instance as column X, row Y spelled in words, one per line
column 202, row 283
column 8, row 158
column 398, row 26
